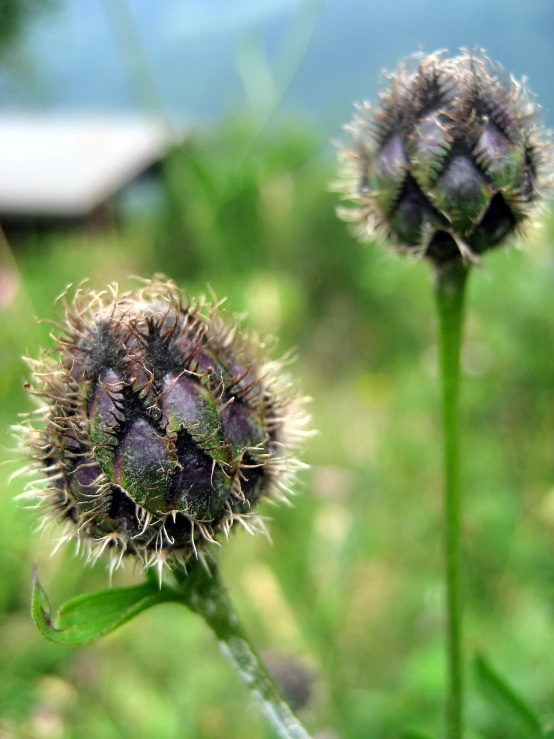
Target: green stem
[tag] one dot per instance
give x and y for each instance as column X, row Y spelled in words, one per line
column 206, row 595
column 449, row 292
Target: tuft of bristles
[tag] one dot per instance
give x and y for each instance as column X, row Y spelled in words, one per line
column 160, row 425
column 451, row 162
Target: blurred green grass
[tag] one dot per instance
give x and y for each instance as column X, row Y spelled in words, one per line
column 352, row 582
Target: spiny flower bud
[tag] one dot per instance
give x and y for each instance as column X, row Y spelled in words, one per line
column 450, row 163
column 161, row 424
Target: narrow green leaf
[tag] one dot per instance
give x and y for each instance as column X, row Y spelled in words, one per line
column 411, row 734
column 510, row 707
column 90, row 616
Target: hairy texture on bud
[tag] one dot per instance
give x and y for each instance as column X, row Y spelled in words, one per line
column 161, row 425
column 450, row 163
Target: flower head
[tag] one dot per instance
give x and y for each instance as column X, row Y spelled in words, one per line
column 160, row 426
column 451, row 162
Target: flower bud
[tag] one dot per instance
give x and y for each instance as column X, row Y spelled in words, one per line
column 450, row 163
column 161, row 425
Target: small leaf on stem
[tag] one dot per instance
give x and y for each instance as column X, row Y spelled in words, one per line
column 90, row 616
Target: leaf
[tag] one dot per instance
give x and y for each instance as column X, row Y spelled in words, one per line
column 411, row 734
column 90, row 616
column 511, row 707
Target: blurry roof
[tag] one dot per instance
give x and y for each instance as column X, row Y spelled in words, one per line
column 65, row 166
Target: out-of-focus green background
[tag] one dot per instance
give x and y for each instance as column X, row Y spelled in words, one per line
column 350, row 588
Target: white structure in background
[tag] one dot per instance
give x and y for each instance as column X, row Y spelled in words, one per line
column 57, row 168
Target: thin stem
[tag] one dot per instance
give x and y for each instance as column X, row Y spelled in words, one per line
column 449, row 292
column 206, row 595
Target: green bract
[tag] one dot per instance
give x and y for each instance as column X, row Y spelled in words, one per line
column 162, row 424
column 451, row 162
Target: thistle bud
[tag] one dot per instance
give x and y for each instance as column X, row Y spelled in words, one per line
column 161, row 425
column 450, row 163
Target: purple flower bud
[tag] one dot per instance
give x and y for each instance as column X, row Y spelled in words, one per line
column 162, row 425
column 451, row 162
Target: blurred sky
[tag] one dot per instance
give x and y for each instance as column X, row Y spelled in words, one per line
column 213, row 57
